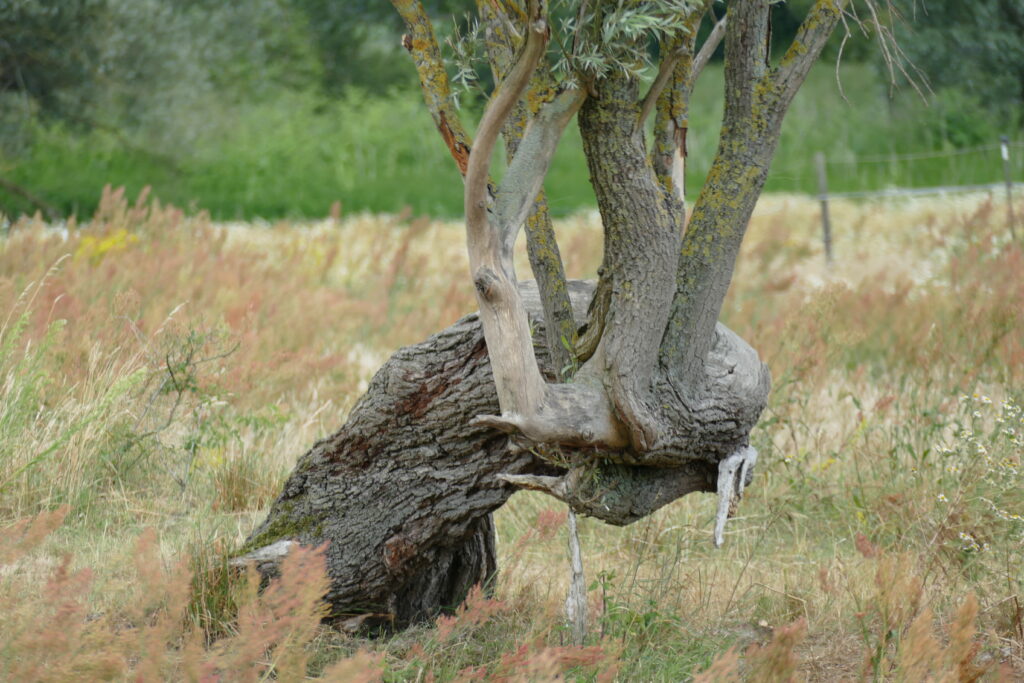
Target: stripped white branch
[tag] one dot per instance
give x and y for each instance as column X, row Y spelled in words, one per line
column 734, row 472
column 502, row 315
column 576, row 600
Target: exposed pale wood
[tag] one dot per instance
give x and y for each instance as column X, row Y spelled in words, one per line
column 519, row 382
column 668, row 153
column 576, row 600
column 502, row 41
column 266, row 559
column 733, row 472
column 575, row 415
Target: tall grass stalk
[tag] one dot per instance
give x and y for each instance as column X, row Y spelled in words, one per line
column 169, row 371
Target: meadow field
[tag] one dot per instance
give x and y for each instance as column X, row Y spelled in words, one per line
column 160, row 373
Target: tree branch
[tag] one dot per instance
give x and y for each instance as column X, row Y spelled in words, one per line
column 805, row 49
column 668, row 154
column 502, row 39
column 668, row 66
column 497, row 111
column 755, row 104
column 525, row 174
column 517, row 378
column 665, row 70
column 421, row 43
column 746, row 48
column 711, row 44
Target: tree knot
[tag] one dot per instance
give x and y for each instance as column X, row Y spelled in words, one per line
column 486, row 282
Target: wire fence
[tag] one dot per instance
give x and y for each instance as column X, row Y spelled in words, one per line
column 1004, row 147
column 895, row 192
column 861, row 176
column 918, row 156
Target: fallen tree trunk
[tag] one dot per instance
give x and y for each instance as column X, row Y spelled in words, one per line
column 403, row 492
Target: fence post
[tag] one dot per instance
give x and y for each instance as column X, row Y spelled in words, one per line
column 1004, row 148
column 826, row 223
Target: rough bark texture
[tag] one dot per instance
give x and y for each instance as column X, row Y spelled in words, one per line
column 756, row 100
column 640, row 253
column 664, row 406
column 404, row 490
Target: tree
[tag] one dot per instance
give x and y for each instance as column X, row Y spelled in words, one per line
column 658, row 398
column 153, row 66
column 977, row 70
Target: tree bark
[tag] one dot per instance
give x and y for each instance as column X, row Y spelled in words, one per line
column 403, row 492
column 664, row 406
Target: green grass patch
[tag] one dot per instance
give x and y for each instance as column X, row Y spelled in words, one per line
column 294, row 156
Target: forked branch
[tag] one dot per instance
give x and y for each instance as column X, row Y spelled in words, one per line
column 755, row 103
column 565, row 414
column 503, row 41
column 805, row 49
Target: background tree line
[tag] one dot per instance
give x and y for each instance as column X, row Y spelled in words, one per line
column 279, row 107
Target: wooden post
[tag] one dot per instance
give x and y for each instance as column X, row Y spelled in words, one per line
column 1004, row 148
column 826, row 223
column 576, row 600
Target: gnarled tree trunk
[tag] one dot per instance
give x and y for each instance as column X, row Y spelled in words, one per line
column 403, row 493
column 664, row 398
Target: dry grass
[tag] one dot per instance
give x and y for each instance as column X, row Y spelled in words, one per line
column 159, row 374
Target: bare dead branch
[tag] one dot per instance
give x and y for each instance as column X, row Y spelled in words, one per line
column 525, row 174
column 502, row 40
column 497, row 111
column 517, row 377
